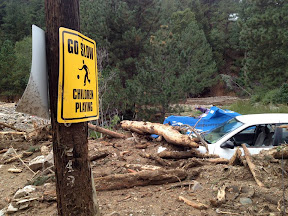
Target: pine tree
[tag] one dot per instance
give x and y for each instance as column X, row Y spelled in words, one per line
column 265, row 40
column 7, row 61
column 22, row 68
column 180, row 64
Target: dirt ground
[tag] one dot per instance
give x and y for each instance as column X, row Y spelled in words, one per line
column 204, row 180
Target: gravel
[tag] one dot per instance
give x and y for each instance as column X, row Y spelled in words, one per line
column 19, row 120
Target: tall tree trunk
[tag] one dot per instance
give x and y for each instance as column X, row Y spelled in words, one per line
column 74, row 183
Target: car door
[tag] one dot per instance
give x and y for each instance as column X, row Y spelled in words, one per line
column 256, row 138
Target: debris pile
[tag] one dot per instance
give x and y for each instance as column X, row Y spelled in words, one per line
column 136, row 174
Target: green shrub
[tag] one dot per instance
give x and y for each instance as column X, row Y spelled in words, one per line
column 277, row 96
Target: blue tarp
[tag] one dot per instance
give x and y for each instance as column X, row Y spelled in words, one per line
column 208, row 121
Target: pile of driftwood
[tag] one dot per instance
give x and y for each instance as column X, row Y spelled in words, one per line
column 164, row 173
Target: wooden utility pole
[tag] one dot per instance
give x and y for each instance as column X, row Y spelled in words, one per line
column 74, row 183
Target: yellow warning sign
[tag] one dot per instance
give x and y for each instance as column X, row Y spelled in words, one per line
column 78, row 78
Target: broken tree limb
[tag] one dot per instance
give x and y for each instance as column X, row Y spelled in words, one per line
column 142, row 178
column 17, row 157
column 170, row 135
column 106, row 131
column 218, row 160
column 199, row 206
column 204, row 143
column 98, row 155
column 140, row 167
column 251, row 165
column 283, row 126
column 3, row 151
column 278, row 152
column 12, row 135
column 11, row 127
column 24, row 154
column 156, row 158
column 236, row 158
column 185, row 154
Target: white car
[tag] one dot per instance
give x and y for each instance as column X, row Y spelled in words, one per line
column 257, row 131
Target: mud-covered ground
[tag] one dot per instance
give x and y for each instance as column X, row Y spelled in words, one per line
column 204, row 180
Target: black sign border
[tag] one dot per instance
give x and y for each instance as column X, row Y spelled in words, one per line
column 63, row 71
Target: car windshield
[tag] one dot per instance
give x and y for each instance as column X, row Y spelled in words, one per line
column 214, row 135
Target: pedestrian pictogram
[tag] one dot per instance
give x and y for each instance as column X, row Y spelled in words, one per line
column 78, row 79
column 86, row 74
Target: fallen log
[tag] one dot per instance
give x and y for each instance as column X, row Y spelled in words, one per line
column 251, row 165
column 278, row 152
column 199, row 206
column 106, row 131
column 3, row 151
column 142, row 178
column 236, row 158
column 194, row 162
column 140, row 167
column 185, row 154
column 156, row 158
column 170, row 135
column 218, row 160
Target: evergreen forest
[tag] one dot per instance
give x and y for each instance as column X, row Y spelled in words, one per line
column 153, row 53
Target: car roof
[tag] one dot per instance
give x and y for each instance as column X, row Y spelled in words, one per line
column 264, row 118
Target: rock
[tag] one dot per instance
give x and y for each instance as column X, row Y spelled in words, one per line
column 2, row 212
column 24, row 206
column 11, row 209
column 49, row 195
column 8, row 154
column 197, row 186
column 245, row 201
column 233, row 189
column 248, row 191
column 24, row 203
column 44, row 150
column 24, row 191
column 49, row 160
column 37, row 163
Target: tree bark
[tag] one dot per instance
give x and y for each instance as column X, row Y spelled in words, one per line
column 279, row 152
column 142, row 178
column 74, row 183
column 159, row 160
column 251, row 165
column 236, row 158
column 170, row 135
column 199, row 206
column 185, row 154
column 218, row 160
column 106, row 131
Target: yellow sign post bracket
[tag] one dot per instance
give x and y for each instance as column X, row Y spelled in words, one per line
column 78, row 78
